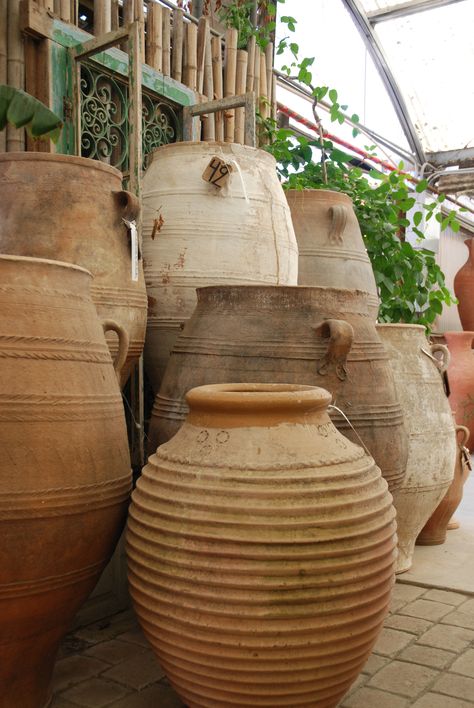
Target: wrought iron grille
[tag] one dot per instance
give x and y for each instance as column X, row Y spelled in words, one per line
column 104, row 118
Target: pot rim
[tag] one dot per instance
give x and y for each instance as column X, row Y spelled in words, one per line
column 294, row 290
column 208, row 145
column 318, row 194
column 400, row 325
column 58, row 157
column 241, row 398
column 43, row 261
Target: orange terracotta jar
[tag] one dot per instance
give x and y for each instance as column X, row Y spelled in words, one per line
column 64, row 468
column 261, row 547
column 461, row 379
column 464, row 290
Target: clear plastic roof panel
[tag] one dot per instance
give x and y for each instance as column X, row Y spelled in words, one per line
column 431, row 54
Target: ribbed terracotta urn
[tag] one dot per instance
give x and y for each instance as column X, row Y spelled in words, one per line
column 261, row 545
column 330, row 244
column 461, row 379
column 434, row 531
column 195, row 234
column 464, row 290
column 71, row 209
column 313, row 336
column 64, row 469
column 430, row 427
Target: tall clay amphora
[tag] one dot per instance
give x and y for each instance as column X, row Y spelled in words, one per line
column 430, row 427
column 261, row 546
column 330, row 244
column 461, row 379
column 71, row 209
column 313, row 336
column 464, row 290
column 196, row 234
column 434, row 531
column 64, row 469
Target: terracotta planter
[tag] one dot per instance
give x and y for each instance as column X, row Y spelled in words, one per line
column 70, row 209
column 461, row 379
column 464, row 290
column 240, row 234
column 261, row 548
column 64, row 471
column 435, row 529
column 290, row 335
column 430, row 426
column 330, row 244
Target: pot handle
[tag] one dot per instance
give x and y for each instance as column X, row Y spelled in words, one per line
column 341, row 336
column 128, row 203
column 465, row 432
column 443, row 363
column 338, row 214
column 122, row 344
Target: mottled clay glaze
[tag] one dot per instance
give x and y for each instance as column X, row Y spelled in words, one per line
column 461, row 379
column 464, row 290
column 261, row 546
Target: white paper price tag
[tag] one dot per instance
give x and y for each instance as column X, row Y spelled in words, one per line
column 134, row 247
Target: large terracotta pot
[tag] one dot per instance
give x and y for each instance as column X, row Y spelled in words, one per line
column 464, row 290
column 64, row 469
column 434, row 531
column 70, row 209
column 314, row 336
column 461, row 379
column 330, row 244
column 195, row 234
column 261, row 545
column 430, row 427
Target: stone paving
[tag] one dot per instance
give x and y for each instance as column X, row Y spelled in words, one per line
column 424, row 658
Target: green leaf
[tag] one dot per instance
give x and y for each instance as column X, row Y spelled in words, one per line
column 22, row 110
column 421, row 186
column 333, row 95
column 417, row 218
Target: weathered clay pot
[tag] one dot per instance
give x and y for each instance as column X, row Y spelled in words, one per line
column 70, row 209
column 64, row 469
column 261, row 545
column 195, row 234
column 461, row 379
column 330, row 245
column 434, row 531
column 430, row 427
column 464, row 290
column 302, row 335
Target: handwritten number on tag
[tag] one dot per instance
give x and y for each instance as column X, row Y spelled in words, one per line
column 216, row 172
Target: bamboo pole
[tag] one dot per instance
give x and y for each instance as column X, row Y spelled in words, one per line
column 256, row 76
column 65, row 10
column 216, row 54
column 139, row 16
column 127, row 12
column 209, row 130
column 251, row 63
column 177, row 51
column 230, row 69
column 269, row 69
column 240, row 84
column 263, row 103
column 102, row 17
column 3, row 60
column 166, row 39
column 203, row 34
column 115, row 15
column 75, row 12
column 274, row 97
column 154, row 36
column 15, row 69
column 190, row 53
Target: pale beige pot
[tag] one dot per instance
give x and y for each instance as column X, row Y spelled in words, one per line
column 261, row 547
column 430, row 427
column 330, row 244
column 195, row 234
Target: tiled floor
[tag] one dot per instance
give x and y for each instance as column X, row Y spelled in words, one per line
column 424, row 658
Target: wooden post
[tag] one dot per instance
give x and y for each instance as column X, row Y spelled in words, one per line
column 166, row 37
column 230, row 69
column 216, row 52
column 154, row 36
column 135, row 51
column 251, row 63
column 139, row 16
column 190, row 53
column 209, row 131
column 115, row 15
column 240, row 84
column 102, row 17
column 3, row 59
column 177, row 54
column 15, row 69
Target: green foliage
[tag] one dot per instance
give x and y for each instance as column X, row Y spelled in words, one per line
column 237, row 14
column 22, row 110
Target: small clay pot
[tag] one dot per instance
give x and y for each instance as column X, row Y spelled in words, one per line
column 461, row 379
column 261, row 547
column 464, row 290
column 434, row 531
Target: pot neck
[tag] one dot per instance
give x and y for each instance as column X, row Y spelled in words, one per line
column 459, row 340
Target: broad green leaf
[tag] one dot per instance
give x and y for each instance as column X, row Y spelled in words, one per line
column 421, row 186
column 22, row 110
